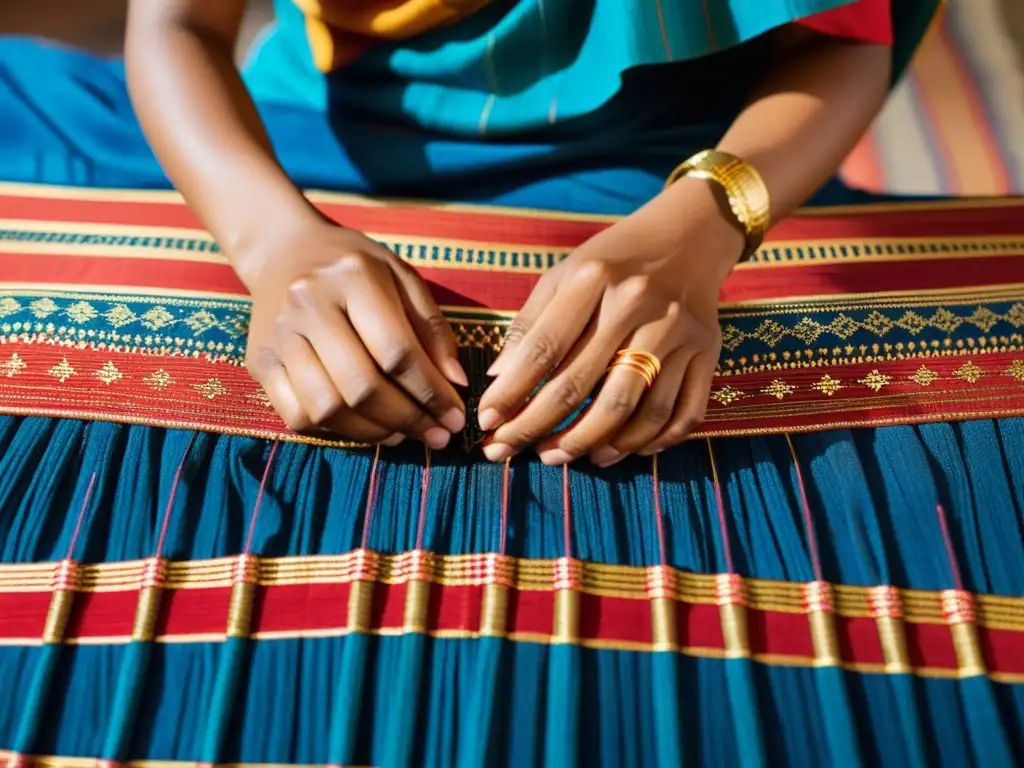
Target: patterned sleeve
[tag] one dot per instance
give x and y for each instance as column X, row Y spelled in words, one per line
column 868, row 21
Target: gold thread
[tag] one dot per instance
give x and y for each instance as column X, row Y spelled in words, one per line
column 664, row 628
column 360, row 607
column 147, row 613
column 731, row 596
column 64, row 585
column 969, row 656
column 494, row 611
column 566, row 628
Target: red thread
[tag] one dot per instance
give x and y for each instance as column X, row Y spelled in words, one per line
column 505, row 478
column 371, row 498
column 423, row 500
column 723, row 525
column 659, row 519
column 566, row 511
column 812, row 541
column 950, row 550
column 81, row 516
column 259, row 497
column 170, row 499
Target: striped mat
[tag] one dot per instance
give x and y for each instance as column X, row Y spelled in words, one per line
column 955, row 125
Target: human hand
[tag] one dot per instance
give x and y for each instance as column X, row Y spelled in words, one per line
column 649, row 283
column 345, row 336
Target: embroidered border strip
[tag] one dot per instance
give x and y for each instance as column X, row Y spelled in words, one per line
column 117, row 305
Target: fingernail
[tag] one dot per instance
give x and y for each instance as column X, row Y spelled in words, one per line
column 605, row 456
column 490, row 419
column 556, row 457
column 454, row 420
column 498, row 451
column 455, row 373
column 395, row 439
column 436, row 437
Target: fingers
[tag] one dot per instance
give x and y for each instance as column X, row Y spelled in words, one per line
column 363, row 388
column 376, row 312
column 559, row 398
column 650, row 418
column 691, row 405
column 277, row 385
column 615, row 403
column 543, row 347
column 430, row 326
column 539, row 297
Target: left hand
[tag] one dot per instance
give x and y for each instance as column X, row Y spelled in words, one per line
column 650, row 283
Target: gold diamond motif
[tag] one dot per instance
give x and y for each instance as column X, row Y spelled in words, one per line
column 726, row 395
column 156, row 318
column 119, row 315
column 808, row 330
column 1016, row 370
column 778, row 389
column 878, row 323
column 43, row 307
column 827, row 385
column 770, row 332
column 1015, row 315
column 875, row 380
column 13, row 367
column 969, row 372
column 211, row 389
column 924, row 376
column 81, row 312
column 984, row 318
column 8, row 306
column 843, row 326
column 62, row 370
column 158, row 379
column 732, row 337
column 108, row 374
column 200, row 321
column 945, row 320
column 912, row 323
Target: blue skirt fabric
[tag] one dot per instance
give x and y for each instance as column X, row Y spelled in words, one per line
column 65, row 119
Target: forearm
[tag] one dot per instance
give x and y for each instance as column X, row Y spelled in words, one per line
column 205, row 129
column 808, row 114
column 800, row 123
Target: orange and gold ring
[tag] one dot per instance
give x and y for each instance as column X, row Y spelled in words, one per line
column 644, row 363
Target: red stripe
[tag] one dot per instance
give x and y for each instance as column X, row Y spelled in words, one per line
column 507, row 291
column 322, row 608
column 504, row 227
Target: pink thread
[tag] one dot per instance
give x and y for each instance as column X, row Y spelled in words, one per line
column 947, row 539
column 81, row 516
column 723, row 525
column 423, row 500
column 371, row 498
column 259, row 497
column 170, row 499
column 812, row 541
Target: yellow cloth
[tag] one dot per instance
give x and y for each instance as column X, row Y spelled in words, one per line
column 340, row 30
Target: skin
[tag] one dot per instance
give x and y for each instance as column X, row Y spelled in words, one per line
column 346, row 337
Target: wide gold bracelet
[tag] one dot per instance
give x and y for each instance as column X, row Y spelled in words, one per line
column 744, row 188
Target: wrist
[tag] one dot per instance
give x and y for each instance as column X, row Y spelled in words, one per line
column 256, row 243
column 702, row 222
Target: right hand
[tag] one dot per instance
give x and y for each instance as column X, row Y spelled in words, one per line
column 345, row 337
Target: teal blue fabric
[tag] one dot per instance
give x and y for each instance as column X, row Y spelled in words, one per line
column 517, row 66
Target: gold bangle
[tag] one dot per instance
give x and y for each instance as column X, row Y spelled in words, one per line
column 745, row 189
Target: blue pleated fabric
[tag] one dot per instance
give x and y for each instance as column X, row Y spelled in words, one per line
column 375, row 700
column 869, row 519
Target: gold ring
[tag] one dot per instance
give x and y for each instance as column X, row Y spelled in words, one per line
column 638, row 361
